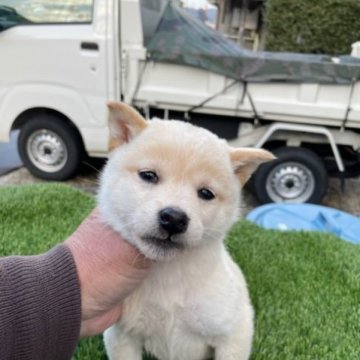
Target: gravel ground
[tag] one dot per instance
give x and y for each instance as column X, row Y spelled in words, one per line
column 87, row 180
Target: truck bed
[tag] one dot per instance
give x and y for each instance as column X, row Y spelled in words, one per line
column 169, row 86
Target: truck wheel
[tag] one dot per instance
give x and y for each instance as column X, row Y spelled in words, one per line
column 298, row 175
column 49, row 148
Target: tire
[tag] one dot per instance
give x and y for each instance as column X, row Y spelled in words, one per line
column 50, row 148
column 298, row 175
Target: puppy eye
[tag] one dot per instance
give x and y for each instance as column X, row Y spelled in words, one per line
column 149, row 176
column 206, row 194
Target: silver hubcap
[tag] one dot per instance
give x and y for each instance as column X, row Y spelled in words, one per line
column 47, row 151
column 290, row 182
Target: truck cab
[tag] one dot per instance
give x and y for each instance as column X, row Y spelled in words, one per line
column 59, row 66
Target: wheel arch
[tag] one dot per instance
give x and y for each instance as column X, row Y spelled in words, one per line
column 276, row 128
column 89, row 115
column 29, row 114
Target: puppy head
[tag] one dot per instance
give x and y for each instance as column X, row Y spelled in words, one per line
column 170, row 186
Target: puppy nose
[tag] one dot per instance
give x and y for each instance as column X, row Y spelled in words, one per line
column 173, row 220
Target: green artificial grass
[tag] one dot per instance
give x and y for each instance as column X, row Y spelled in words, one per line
column 305, row 287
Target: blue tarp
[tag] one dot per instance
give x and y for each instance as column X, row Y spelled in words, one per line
column 307, row 217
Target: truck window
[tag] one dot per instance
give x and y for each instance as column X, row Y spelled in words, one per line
column 24, row 12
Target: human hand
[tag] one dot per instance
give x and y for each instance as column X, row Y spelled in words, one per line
column 109, row 269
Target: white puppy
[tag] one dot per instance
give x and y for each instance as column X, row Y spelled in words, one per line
column 173, row 190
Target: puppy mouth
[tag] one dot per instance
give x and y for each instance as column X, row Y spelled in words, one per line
column 165, row 243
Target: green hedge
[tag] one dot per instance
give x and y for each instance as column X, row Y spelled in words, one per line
column 312, row 26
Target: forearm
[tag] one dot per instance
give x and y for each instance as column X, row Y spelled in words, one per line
column 40, row 306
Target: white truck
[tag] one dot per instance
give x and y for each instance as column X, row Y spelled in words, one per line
column 60, row 62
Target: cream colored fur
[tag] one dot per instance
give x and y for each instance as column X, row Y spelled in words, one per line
column 195, row 304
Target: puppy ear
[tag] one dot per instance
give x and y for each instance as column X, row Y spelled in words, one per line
column 124, row 124
column 246, row 160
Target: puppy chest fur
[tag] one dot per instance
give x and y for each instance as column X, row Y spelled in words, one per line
column 184, row 311
column 173, row 190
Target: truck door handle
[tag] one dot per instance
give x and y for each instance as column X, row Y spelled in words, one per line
column 89, row 46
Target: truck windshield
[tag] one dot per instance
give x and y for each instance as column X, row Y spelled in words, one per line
column 10, row 17
column 24, row 12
